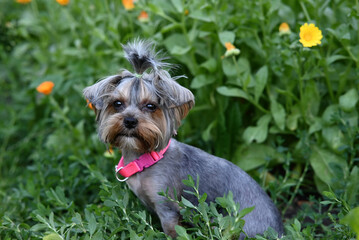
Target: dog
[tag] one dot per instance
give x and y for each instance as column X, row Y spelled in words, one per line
column 139, row 113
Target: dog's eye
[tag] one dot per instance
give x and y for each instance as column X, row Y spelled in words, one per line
column 117, row 104
column 151, row 107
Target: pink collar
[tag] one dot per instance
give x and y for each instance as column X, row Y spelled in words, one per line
column 144, row 161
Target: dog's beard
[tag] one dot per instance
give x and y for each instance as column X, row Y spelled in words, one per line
column 145, row 137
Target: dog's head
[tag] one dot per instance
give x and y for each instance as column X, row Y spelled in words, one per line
column 139, row 111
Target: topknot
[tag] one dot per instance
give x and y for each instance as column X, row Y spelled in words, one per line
column 142, row 56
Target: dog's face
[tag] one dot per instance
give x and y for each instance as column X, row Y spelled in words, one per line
column 139, row 112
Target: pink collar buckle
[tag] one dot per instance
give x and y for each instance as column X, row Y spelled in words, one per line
column 138, row 165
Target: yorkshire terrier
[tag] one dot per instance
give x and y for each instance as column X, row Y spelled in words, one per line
column 139, row 113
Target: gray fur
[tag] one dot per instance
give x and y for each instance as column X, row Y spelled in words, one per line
column 141, row 54
column 155, row 128
column 217, row 177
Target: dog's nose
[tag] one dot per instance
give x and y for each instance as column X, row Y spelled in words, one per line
column 130, row 122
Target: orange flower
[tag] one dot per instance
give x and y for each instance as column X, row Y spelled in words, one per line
column 143, row 17
column 284, row 29
column 110, row 150
column 89, row 104
column 63, row 2
column 109, row 153
column 186, row 12
column 45, row 87
column 23, row 1
column 231, row 50
column 128, row 4
column 229, row 46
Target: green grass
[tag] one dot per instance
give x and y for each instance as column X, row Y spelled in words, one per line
column 284, row 113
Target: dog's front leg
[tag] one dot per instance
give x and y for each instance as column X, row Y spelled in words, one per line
column 168, row 212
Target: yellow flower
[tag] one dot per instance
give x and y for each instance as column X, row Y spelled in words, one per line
column 45, row 87
column 284, row 29
column 23, row 1
column 143, row 17
column 231, row 50
column 128, row 4
column 310, row 35
column 63, row 2
column 186, row 12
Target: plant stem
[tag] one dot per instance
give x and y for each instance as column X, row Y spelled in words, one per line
column 305, row 11
column 327, row 81
column 59, row 110
column 185, row 33
column 357, row 7
column 300, row 78
column 239, row 72
column 294, row 193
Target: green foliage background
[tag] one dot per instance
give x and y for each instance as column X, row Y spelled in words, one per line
column 286, row 114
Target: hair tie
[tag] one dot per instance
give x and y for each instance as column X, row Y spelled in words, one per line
column 138, row 75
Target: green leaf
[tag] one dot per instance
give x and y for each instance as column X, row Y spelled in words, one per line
column 232, row 92
column 329, row 195
column 261, row 78
column 258, row 133
column 329, row 113
column 206, row 135
column 352, row 189
column 210, row 65
column 334, row 137
column 156, row 9
column 351, row 219
column 52, row 236
column 348, row 101
column 254, row 155
column 97, row 236
column 203, row 208
column 326, row 202
column 134, row 236
column 203, row 198
column 297, row 226
column 278, row 113
column 324, row 164
column 321, row 186
column 334, row 58
column 176, row 40
column 201, row 15
column 92, row 225
column 178, row 5
column 311, row 100
column 292, row 119
column 77, row 218
column 245, row 211
column 189, row 182
column 187, row 203
column 202, row 80
column 317, row 125
column 229, row 67
column 178, row 50
column 182, row 233
column 226, row 36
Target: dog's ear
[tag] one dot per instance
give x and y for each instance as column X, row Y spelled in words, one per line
column 95, row 94
column 175, row 97
column 184, row 101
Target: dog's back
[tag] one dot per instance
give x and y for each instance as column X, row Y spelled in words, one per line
column 219, row 176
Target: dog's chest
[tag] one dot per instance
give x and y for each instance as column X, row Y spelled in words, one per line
column 135, row 184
